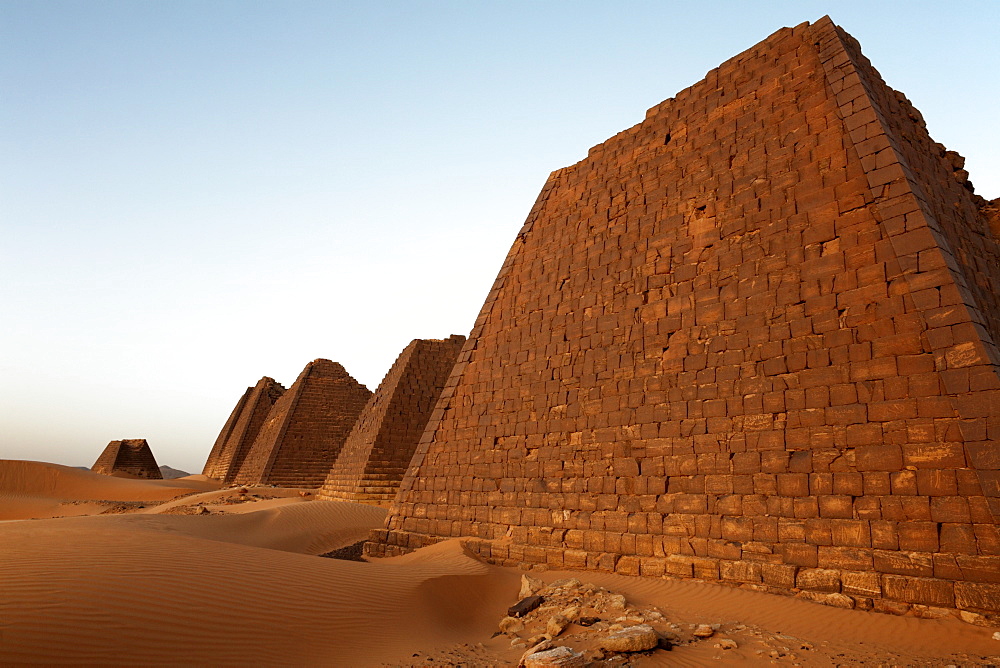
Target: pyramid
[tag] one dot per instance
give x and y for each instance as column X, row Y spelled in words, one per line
column 213, row 469
column 131, row 456
column 751, row 339
column 241, row 429
column 379, row 448
column 305, row 429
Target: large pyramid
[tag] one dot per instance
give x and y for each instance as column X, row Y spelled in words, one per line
column 305, row 429
column 750, row 339
column 129, row 455
column 240, row 430
column 379, row 448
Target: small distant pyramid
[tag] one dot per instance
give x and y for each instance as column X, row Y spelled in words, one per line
column 129, row 455
column 306, row 428
column 379, row 448
column 239, row 432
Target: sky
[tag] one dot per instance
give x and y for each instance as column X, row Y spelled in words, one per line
column 195, row 194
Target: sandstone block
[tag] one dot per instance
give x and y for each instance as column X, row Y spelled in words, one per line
column 632, row 639
column 818, row 579
column 925, row 591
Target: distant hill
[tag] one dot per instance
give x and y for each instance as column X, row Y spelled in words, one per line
column 169, row 473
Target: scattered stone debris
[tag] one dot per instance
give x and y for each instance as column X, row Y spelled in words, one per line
column 529, row 586
column 637, row 638
column 703, row 631
column 241, row 495
column 594, row 626
column 524, row 606
column 578, row 624
column 123, row 507
column 557, row 657
column 511, row 625
column 556, row 624
column 232, row 497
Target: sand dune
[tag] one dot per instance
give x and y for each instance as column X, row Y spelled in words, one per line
column 227, row 499
column 40, row 490
column 240, row 585
column 116, row 591
column 66, row 482
column 303, row 527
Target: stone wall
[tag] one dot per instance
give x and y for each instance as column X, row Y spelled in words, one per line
column 240, row 431
column 131, row 456
column 305, row 429
column 379, row 448
column 750, row 339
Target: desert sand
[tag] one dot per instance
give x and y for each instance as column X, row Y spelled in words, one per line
column 99, row 570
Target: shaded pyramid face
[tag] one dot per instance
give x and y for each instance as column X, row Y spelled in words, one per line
column 213, row 467
column 131, row 456
column 751, row 339
column 381, row 445
column 305, row 429
column 240, row 431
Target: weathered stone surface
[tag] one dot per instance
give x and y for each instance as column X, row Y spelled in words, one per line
column 818, row 579
column 379, row 448
column 556, row 625
column 615, row 602
column 557, row 657
column 572, row 613
column 637, row 638
column 511, row 625
column 703, row 631
column 757, row 328
column 131, row 456
column 305, row 429
column 529, row 585
column 241, row 429
column 212, row 463
column 524, row 606
column 834, row 599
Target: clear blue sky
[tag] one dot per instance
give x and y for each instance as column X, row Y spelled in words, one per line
column 195, row 194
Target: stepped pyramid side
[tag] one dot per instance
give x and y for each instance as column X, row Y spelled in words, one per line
column 750, row 339
column 241, row 430
column 305, row 429
column 212, row 467
column 379, row 448
column 130, row 455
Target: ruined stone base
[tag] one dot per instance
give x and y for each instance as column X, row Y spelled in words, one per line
column 898, row 594
column 380, row 490
column 382, row 543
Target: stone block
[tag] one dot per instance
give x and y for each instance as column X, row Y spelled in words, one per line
column 836, row 506
column 818, row 579
column 977, row 596
column 740, row 571
column 879, row 458
column 925, row 591
column 861, row 583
